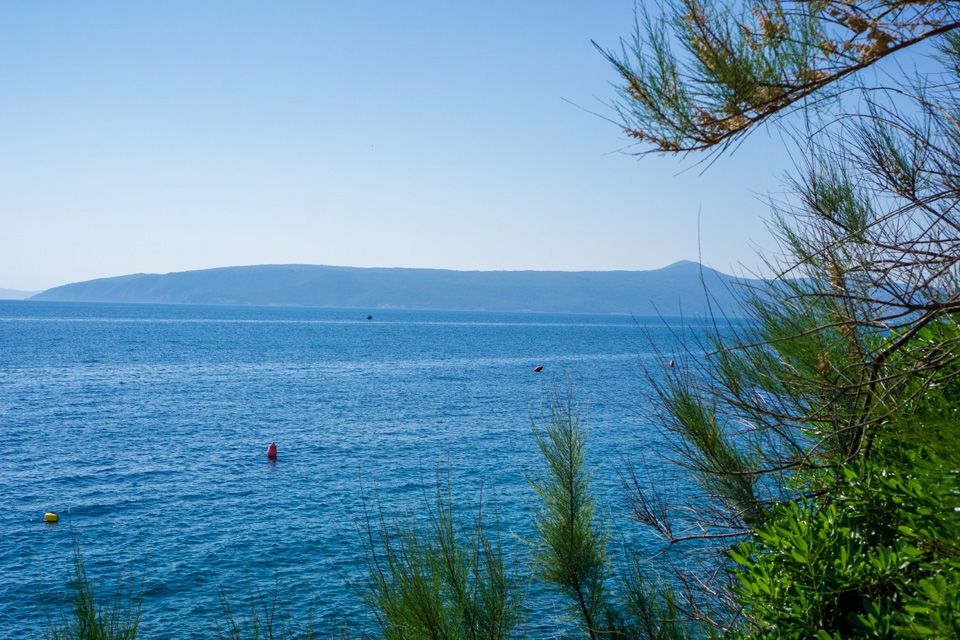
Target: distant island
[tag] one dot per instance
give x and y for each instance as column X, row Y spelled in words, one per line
column 15, row 294
column 672, row 290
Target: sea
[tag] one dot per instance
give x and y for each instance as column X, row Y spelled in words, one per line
column 145, row 428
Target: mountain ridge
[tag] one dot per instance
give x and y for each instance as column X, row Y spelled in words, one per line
column 670, row 290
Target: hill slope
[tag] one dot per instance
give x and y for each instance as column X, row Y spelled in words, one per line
column 669, row 290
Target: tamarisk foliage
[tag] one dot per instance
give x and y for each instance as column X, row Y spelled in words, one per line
column 446, row 579
column 89, row 617
column 824, row 432
column 265, row 619
column 704, row 73
column 572, row 547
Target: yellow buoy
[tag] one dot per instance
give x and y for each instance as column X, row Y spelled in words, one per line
column 50, row 517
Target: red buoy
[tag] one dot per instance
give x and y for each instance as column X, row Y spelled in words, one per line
column 538, row 368
column 272, row 451
column 670, row 364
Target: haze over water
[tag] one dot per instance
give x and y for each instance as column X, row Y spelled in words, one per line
column 145, row 427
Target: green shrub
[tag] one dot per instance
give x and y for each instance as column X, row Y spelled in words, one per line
column 875, row 559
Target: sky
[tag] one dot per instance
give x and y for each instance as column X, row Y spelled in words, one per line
column 159, row 137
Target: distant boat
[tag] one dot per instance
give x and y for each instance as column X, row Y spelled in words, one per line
column 369, row 317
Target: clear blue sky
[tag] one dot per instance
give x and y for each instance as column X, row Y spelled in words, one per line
column 155, row 137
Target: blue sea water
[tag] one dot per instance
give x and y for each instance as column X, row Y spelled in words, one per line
column 145, row 427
